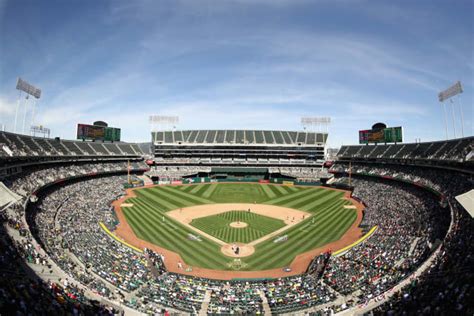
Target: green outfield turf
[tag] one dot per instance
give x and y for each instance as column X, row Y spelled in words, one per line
column 218, row 226
column 331, row 220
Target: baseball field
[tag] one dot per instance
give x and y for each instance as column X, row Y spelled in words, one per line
column 220, row 226
column 321, row 216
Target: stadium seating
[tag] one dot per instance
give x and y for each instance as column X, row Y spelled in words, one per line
column 452, row 150
column 411, row 205
column 25, row 146
column 237, row 147
column 239, row 137
column 21, row 294
column 447, row 184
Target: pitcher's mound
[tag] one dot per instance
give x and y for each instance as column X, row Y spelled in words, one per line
column 244, row 250
column 238, row 224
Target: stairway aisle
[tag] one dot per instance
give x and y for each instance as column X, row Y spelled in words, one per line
column 266, row 307
column 205, row 303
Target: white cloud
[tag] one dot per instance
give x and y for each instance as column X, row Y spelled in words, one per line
column 7, row 107
column 386, row 108
column 218, row 66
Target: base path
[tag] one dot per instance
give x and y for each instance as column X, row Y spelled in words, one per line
column 174, row 263
column 289, row 216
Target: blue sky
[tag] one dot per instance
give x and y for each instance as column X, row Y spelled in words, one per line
column 239, row 64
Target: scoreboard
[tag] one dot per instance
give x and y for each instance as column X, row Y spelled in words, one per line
column 385, row 135
column 96, row 132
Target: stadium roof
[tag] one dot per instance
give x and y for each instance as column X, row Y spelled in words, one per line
column 467, row 201
column 7, row 197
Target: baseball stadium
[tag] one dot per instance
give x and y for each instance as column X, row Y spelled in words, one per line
column 122, row 195
column 217, row 226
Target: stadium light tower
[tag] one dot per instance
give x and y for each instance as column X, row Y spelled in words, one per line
column 448, row 94
column 40, row 129
column 316, row 124
column 162, row 122
column 30, row 90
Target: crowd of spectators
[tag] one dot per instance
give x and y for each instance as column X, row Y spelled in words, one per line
column 22, row 292
column 301, row 173
column 240, row 298
column 29, row 180
column 67, row 222
column 233, row 297
column 446, row 287
column 180, row 292
column 425, row 176
column 173, row 172
column 297, row 293
column 411, row 223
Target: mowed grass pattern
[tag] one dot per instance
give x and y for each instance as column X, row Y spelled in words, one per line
column 218, row 226
column 329, row 222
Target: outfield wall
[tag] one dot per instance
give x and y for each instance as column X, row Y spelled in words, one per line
column 284, row 181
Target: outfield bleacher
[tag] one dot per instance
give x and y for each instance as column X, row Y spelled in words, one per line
column 238, row 147
column 239, row 137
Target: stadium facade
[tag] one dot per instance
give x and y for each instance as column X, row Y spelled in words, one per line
column 287, row 153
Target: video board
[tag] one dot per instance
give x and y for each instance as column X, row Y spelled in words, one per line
column 385, row 135
column 95, row 132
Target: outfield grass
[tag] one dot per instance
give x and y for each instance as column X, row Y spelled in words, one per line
column 331, row 220
column 218, row 226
